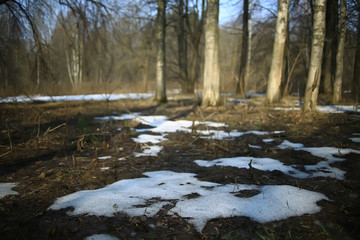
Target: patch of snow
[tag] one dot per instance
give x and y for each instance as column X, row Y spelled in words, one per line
column 137, row 197
column 287, row 108
column 104, row 168
column 357, row 140
column 254, row 146
column 337, row 108
column 64, row 98
column 104, row 157
column 264, row 164
column 6, row 189
column 322, row 168
column 121, row 159
column 268, row 140
column 162, row 125
column 324, row 109
column 149, row 151
column 147, row 138
column 101, row 237
column 287, row 144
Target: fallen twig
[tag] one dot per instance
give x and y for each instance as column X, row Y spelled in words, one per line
column 49, row 130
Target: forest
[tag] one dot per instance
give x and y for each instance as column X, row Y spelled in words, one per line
column 179, row 119
column 63, row 47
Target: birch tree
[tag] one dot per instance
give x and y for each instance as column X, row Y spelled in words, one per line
column 277, row 62
column 317, row 44
column 340, row 53
column 211, row 84
column 160, row 94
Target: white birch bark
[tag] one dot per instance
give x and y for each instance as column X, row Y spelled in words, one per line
column 317, row 44
column 277, row 62
column 211, row 84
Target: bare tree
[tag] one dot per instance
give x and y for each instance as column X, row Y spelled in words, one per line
column 317, row 44
column 277, row 63
column 340, row 54
column 240, row 86
column 195, row 25
column 160, row 94
column 211, row 85
column 356, row 74
column 329, row 46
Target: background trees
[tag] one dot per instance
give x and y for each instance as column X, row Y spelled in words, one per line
column 84, row 46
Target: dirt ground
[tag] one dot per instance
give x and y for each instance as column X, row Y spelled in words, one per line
column 51, row 150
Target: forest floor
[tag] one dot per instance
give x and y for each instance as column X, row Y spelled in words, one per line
column 53, row 149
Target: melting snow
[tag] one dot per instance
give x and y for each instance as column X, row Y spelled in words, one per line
column 96, row 97
column 150, row 151
column 325, row 109
column 264, row 164
column 321, row 169
column 146, row 196
column 101, row 237
column 147, row 138
column 104, row 157
column 5, row 189
column 357, row 140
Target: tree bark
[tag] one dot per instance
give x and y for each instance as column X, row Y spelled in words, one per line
column 317, row 44
column 211, row 85
column 240, row 86
column 356, row 74
column 195, row 30
column 182, row 47
column 340, row 54
column 329, row 46
column 277, row 62
column 160, row 94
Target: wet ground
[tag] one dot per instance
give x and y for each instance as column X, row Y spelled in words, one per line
column 52, row 149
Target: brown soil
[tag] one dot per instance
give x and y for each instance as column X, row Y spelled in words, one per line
column 51, row 150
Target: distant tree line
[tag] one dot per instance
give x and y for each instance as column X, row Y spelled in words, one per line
column 307, row 47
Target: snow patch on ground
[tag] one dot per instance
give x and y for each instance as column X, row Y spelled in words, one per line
column 64, row 98
column 6, row 189
column 324, row 109
column 321, row 169
column 357, row 140
column 101, row 237
column 149, row 151
column 147, row 138
column 264, row 164
column 146, row 196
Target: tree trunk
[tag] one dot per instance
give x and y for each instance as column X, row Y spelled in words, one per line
column 160, row 94
column 195, row 33
column 329, row 46
column 317, row 44
column 182, row 47
column 211, row 85
column 340, row 54
column 356, row 74
column 240, row 86
column 145, row 74
column 277, row 62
